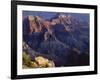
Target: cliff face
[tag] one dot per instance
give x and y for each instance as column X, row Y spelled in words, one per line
column 63, row 39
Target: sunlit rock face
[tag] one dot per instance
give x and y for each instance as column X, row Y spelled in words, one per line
column 61, row 41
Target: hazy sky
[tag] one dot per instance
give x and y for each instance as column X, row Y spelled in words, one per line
column 48, row 15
